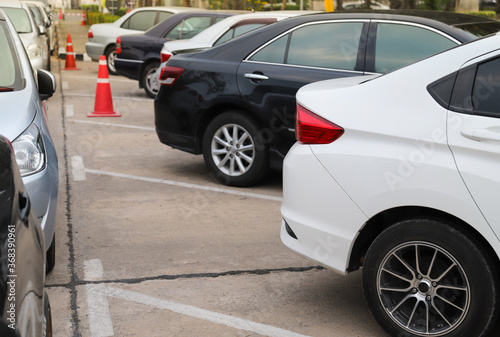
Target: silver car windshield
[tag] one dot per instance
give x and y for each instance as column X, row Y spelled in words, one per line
column 20, row 19
column 9, row 65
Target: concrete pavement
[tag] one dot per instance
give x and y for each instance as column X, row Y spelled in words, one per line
column 72, row 24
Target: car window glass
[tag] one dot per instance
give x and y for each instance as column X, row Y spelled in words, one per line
column 273, row 52
column 162, row 16
column 7, row 66
column 20, row 19
column 399, row 45
column 486, row 91
column 189, row 28
column 140, row 21
column 327, row 45
column 240, row 30
column 36, row 15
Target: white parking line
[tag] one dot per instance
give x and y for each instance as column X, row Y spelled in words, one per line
column 111, row 124
column 78, row 169
column 65, row 85
column 188, row 310
column 70, row 111
column 100, row 323
column 186, row 185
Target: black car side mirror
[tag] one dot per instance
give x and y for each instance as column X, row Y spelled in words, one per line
column 46, row 84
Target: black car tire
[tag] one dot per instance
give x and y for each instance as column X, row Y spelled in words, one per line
column 50, row 261
column 399, row 288
column 147, row 80
column 110, row 59
column 47, row 319
column 249, row 151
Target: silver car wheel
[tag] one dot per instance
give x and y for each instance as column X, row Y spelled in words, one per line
column 233, row 150
column 152, row 82
column 423, row 289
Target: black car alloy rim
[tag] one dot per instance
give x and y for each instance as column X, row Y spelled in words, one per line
column 233, row 150
column 423, row 288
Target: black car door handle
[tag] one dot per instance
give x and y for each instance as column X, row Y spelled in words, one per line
column 258, row 77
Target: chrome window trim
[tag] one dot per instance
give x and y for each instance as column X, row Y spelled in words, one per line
column 305, row 67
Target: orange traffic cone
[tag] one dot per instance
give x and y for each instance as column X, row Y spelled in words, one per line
column 70, row 56
column 83, row 18
column 103, row 101
column 60, row 14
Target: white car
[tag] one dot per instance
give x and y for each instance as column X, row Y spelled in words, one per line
column 227, row 29
column 42, row 19
column 34, row 37
column 400, row 175
column 102, row 36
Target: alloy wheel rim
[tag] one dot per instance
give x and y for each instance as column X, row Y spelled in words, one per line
column 423, row 289
column 111, row 61
column 152, row 81
column 233, row 150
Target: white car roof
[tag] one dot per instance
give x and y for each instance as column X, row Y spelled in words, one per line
column 210, row 35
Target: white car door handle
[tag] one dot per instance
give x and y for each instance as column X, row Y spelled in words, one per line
column 481, row 134
column 256, row 77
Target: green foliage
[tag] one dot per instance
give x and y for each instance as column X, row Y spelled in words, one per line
column 488, row 14
column 96, row 17
column 259, row 5
column 91, row 8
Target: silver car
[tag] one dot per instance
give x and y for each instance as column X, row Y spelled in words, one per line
column 23, row 121
column 34, row 37
column 102, row 36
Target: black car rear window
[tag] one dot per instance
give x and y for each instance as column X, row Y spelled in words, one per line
column 480, row 29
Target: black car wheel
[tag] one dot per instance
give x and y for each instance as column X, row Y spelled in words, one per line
column 426, row 278
column 110, row 59
column 232, row 150
column 150, row 80
column 51, row 256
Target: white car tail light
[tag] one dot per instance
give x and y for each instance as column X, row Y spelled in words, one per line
column 165, row 57
column 118, row 44
column 170, row 74
column 90, row 34
column 313, row 129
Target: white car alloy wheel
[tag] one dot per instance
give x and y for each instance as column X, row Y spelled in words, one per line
column 423, row 288
column 232, row 150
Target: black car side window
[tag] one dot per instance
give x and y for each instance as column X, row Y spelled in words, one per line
column 398, row 45
column 486, row 89
column 325, row 45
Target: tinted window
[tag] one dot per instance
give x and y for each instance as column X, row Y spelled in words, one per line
column 189, row 28
column 162, row 16
column 9, row 74
column 19, row 18
column 240, row 30
column 332, row 45
column 480, row 29
column 399, row 45
column 329, row 45
column 140, row 21
column 273, row 52
column 486, row 91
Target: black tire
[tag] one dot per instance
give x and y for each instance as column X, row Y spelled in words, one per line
column 110, row 59
column 50, row 260
column 231, row 165
column 47, row 319
column 398, row 295
column 148, row 79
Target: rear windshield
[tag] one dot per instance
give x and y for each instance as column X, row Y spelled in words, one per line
column 20, row 19
column 480, row 29
column 10, row 77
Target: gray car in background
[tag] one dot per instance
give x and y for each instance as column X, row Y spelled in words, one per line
column 23, row 121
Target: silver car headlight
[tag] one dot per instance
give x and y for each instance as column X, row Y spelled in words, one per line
column 34, row 51
column 30, row 151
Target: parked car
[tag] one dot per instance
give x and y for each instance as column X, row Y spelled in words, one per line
column 24, row 304
column 102, row 36
column 23, row 120
column 235, row 103
column 34, row 37
column 38, row 13
column 138, row 55
column 219, row 33
column 43, row 19
column 404, row 183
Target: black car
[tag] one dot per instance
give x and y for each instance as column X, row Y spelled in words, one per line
column 24, row 304
column 138, row 55
column 235, row 103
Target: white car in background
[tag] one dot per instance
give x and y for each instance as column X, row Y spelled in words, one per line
column 400, row 175
column 42, row 19
column 102, row 36
column 34, row 37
